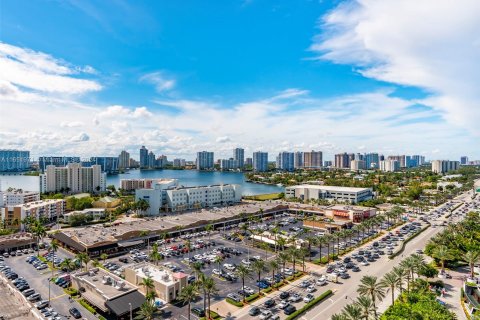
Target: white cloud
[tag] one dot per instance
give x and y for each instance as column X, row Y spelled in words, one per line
column 119, row 112
column 223, row 139
column 434, row 45
column 160, row 80
column 81, row 137
column 71, row 124
column 41, row 72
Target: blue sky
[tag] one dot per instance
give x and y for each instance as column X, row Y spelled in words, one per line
column 271, row 75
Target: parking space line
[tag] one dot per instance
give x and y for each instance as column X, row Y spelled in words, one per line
column 60, row 296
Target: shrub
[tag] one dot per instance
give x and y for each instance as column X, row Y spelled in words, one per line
column 267, row 290
column 235, row 303
column 252, row 297
column 87, row 306
column 213, row 315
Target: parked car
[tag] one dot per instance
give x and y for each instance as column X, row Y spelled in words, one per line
column 75, row 313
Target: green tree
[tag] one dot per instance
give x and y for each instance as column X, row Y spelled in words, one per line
column 471, row 257
column 442, row 253
column 187, row 295
column 370, row 286
column 148, row 311
column 390, row 281
column 148, row 284
column 259, row 266
column 243, row 272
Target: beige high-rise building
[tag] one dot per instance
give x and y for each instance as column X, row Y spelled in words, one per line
column 124, row 160
column 73, row 178
column 312, row 160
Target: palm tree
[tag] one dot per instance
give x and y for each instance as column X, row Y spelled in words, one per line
column 352, row 311
column 197, row 269
column 340, row 316
column 293, row 254
column 148, row 311
column 209, row 228
column 442, row 253
column 321, row 240
column 210, row 288
column 188, row 245
column 390, row 281
column 155, row 256
column 67, row 264
column 401, row 275
column 283, row 258
column 273, row 265
column 104, row 257
column 187, row 295
column 218, row 260
column 83, row 258
column 148, row 284
column 311, row 240
column 259, row 266
column 243, row 272
column 39, row 232
column 418, row 262
column 281, row 242
column 366, row 305
column 471, row 257
column 369, row 286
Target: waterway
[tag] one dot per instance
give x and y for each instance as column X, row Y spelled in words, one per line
column 185, row 177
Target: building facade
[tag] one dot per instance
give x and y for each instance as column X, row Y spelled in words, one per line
column 49, row 209
column 143, row 157
column 372, row 161
column 444, row 166
column 73, row 178
column 44, row 161
column 312, row 160
column 179, row 163
column 205, row 160
column 124, row 160
column 239, row 156
column 14, row 160
column 389, row 165
column 109, row 165
column 285, row 161
column 260, row 161
column 173, row 199
column 356, row 165
column 315, row 192
column 16, row 197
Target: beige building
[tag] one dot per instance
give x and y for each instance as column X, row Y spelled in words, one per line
column 168, row 284
column 107, row 203
column 312, row 160
column 107, row 292
column 95, row 213
column 134, row 184
column 49, row 209
column 73, row 178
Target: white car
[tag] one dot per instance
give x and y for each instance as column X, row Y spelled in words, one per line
column 295, row 297
column 311, row 289
column 216, row 272
column 283, row 304
column 228, row 266
column 364, row 263
column 321, row 281
column 265, row 314
column 309, row 297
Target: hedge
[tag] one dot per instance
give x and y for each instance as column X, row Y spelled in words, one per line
column 267, row 290
column 400, row 250
column 87, row 306
column 213, row 315
column 279, row 284
column 252, row 297
column 71, row 291
column 290, row 278
column 235, row 303
column 310, row 305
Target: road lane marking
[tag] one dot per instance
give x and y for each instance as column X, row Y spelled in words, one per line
column 60, row 296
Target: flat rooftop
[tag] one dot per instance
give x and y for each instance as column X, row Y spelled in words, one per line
column 157, row 273
column 330, row 188
column 105, row 283
column 98, row 234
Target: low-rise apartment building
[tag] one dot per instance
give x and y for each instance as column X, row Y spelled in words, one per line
column 315, row 192
column 134, row 184
column 16, row 197
column 167, row 284
column 50, row 209
column 95, row 214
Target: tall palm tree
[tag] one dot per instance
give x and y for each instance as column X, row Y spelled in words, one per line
column 187, row 295
column 471, row 257
column 281, row 242
column 273, row 265
column 243, row 272
column 209, row 228
column 293, row 255
column 390, row 281
column 418, row 263
column 39, row 232
column 218, row 260
column 83, row 258
column 148, row 283
column 67, row 263
column 352, row 311
column 211, row 289
column 340, row 316
column 258, row 267
column 401, row 275
column 321, row 240
column 408, row 266
column 443, row 254
column 370, row 286
column 197, row 269
column 283, row 257
column 311, row 240
column 154, row 255
column 366, row 305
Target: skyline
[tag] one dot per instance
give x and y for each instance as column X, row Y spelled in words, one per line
column 269, row 77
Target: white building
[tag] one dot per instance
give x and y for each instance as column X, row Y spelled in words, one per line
column 389, row 165
column 73, row 178
column 444, row 166
column 356, row 165
column 309, row 192
column 16, row 197
column 155, row 195
column 95, row 213
column 185, row 198
column 229, row 164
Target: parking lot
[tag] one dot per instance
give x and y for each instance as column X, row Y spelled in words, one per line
column 35, row 286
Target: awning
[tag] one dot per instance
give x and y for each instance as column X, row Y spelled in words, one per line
column 126, row 244
column 121, row 305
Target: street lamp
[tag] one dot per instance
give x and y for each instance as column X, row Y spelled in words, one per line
column 130, row 305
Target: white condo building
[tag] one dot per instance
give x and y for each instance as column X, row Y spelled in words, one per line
column 16, row 197
column 73, row 178
column 174, row 199
column 389, row 165
column 444, row 166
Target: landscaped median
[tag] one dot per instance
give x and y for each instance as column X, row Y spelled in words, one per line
column 402, row 247
column 310, row 305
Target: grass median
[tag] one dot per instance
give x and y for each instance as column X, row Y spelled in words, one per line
column 310, row 305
